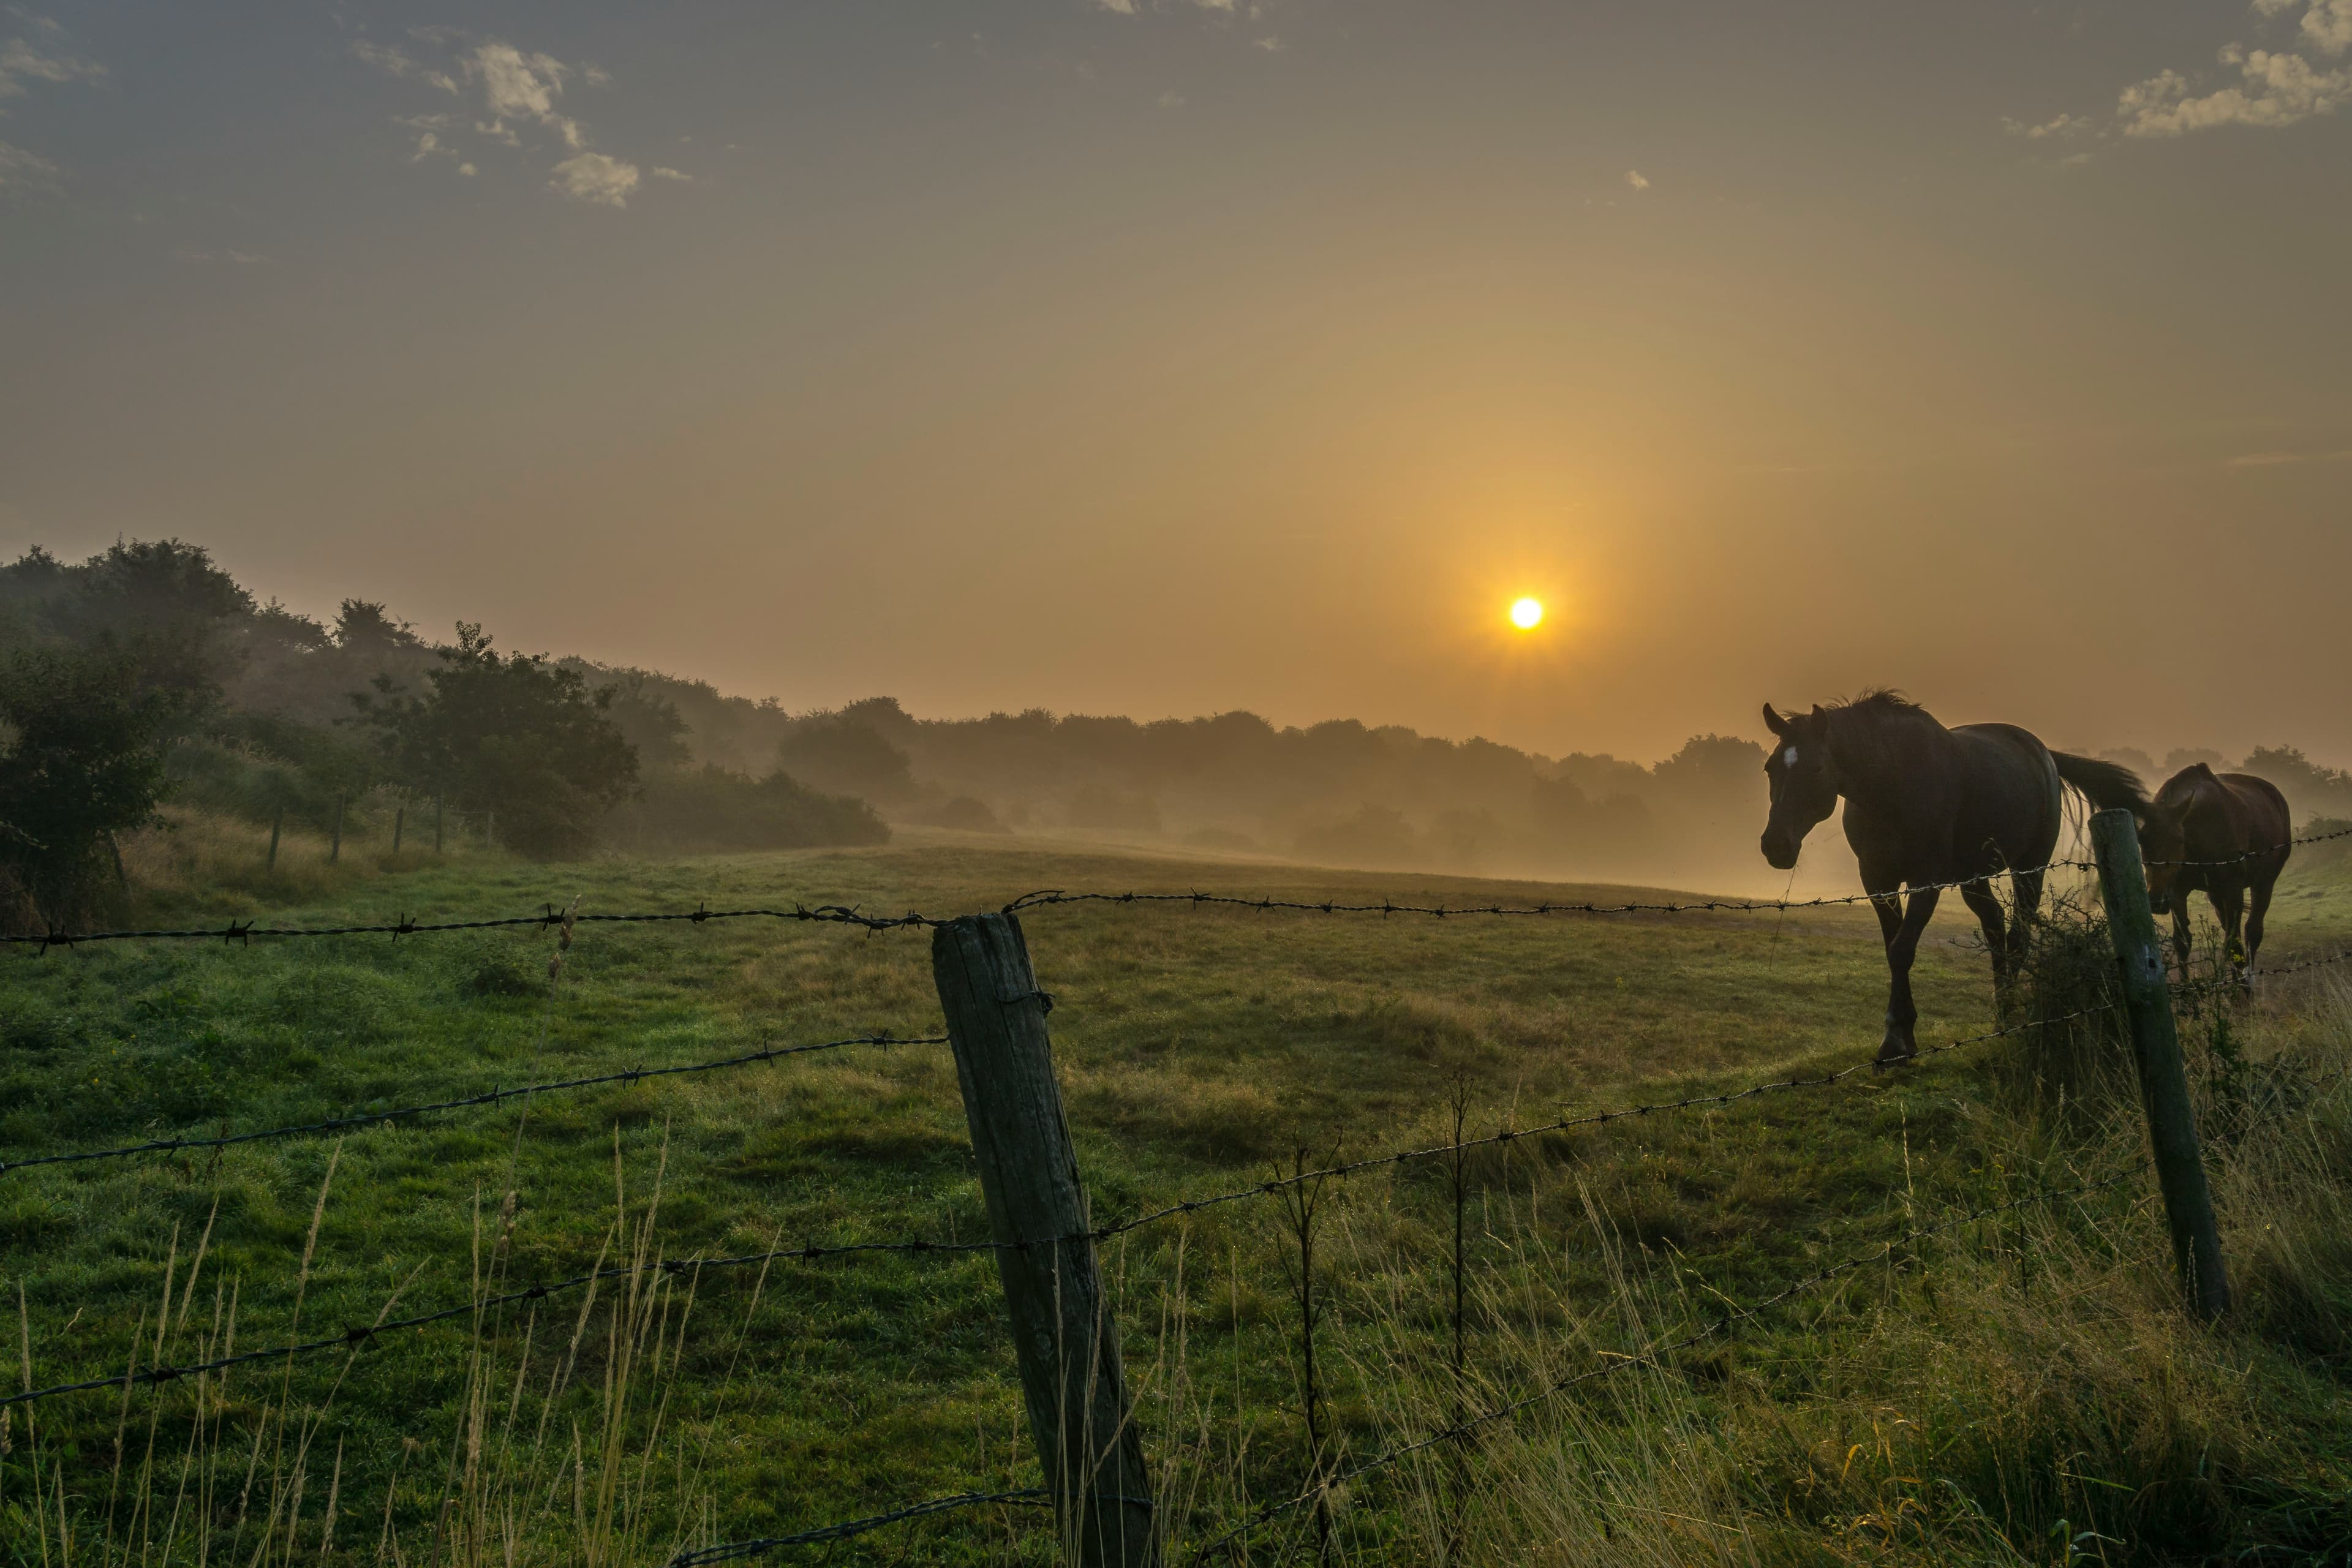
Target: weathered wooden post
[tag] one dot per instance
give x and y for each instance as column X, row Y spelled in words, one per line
column 437, row 825
column 399, row 821
column 1063, row 1332
column 335, row 848
column 275, row 824
column 2156, row 1050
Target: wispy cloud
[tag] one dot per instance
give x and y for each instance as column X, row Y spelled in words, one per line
column 230, row 257
column 41, row 57
column 23, row 171
column 1637, row 180
column 40, row 54
column 2279, row 459
column 522, row 92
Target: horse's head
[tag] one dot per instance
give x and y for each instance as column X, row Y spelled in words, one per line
column 1804, row 782
column 2164, row 835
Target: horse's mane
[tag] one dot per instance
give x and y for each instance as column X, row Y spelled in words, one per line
column 1883, row 704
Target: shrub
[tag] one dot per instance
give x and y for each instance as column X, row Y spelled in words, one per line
column 711, row 810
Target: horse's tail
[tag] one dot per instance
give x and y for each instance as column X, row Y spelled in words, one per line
column 2109, row 786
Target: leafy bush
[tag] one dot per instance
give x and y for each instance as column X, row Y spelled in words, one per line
column 711, row 810
column 81, row 758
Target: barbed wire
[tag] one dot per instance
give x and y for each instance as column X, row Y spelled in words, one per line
column 1652, row 1356
column 1046, row 897
column 2255, row 853
column 2267, row 971
column 489, row 1097
column 1036, row 1497
column 852, row 915
column 822, row 914
column 814, row 1251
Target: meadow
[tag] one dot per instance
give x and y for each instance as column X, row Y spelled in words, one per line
column 2021, row 1389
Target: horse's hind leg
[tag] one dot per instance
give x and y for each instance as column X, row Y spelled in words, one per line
column 2262, row 886
column 2230, row 906
column 2026, row 899
column 1986, row 906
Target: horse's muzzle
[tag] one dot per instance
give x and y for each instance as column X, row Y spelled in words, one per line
column 1780, row 851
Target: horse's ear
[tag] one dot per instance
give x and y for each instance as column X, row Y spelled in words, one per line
column 2203, row 769
column 1773, row 721
column 1819, row 716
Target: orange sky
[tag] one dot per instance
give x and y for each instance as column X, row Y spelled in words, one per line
column 1171, row 358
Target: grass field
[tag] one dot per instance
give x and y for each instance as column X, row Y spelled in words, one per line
column 2026, row 1394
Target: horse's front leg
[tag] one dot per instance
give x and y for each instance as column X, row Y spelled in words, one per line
column 1902, row 946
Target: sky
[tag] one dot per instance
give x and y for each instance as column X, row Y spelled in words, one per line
column 1168, row 358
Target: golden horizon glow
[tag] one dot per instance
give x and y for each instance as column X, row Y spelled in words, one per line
column 1527, row 613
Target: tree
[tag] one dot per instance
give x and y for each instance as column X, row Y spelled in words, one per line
column 2310, row 789
column 842, row 754
column 515, row 735
column 167, row 605
column 83, row 739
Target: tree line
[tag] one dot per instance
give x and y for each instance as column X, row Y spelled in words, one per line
column 148, row 673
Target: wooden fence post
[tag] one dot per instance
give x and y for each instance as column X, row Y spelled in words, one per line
column 437, row 825
column 335, row 849
column 399, row 821
column 1063, row 1332
column 276, row 823
column 2156, row 1050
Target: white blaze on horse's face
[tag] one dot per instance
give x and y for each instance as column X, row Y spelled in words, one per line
column 1790, row 756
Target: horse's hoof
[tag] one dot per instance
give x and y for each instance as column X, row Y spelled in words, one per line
column 1896, row 1049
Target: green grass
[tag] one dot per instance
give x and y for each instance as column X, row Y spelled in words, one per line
column 1197, row 1050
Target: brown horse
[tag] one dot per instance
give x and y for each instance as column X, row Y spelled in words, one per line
column 2223, row 833
column 1927, row 805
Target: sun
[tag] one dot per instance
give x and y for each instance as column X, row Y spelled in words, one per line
column 1527, row 613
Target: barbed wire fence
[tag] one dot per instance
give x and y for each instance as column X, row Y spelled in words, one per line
column 1007, row 1002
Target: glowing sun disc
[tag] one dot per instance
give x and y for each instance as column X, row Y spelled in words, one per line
column 1526, row 613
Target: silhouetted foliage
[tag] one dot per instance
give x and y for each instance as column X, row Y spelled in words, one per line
column 2310, row 789
column 516, row 736
column 711, row 810
column 82, row 738
column 844, row 753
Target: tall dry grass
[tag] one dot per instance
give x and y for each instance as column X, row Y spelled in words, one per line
column 564, row 1449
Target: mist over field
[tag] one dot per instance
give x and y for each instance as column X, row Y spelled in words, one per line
column 263, row 715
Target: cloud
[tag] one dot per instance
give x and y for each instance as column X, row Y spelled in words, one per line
column 2273, row 91
column 1124, row 7
column 23, row 171
column 234, row 258
column 594, row 177
column 2065, row 125
column 520, row 90
column 1270, row 44
column 21, row 62
column 1172, row 99
column 1637, row 180
column 524, row 86
column 2274, row 87
column 2276, row 459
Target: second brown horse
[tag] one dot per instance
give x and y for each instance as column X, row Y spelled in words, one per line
column 2223, row 833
